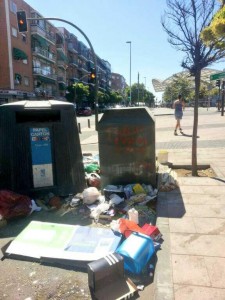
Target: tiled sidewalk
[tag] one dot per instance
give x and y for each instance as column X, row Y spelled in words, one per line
column 191, row 264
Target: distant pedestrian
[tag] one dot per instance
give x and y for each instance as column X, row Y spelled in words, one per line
column 179, row 106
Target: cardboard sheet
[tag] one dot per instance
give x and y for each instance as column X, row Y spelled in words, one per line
column 61, row 241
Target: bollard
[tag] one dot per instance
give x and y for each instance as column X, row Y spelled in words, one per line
column 79, row 128
column 89, row 123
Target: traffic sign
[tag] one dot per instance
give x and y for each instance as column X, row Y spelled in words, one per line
column 217, row 76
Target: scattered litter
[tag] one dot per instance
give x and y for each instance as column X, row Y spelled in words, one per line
column 94, row 179
column 167, row 179
column 133, row 215
column 136, row 250
column 14, row 205
column 90, row 195
column 152, row 231
column 34, row 206
column 140, row 287
column 115, row 199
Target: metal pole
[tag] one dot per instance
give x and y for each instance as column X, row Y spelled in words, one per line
column 94, row 58
column 138, row 89
column 129, row 42
column 222, row 104
column 145, row 88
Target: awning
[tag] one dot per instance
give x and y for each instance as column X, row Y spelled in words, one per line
column 46, row 79
column 43, row 43
column 19, row 54
column 61, row 56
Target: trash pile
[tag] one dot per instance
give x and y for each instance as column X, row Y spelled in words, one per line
column 14, row 205
column 129, row 210
column 167, row 178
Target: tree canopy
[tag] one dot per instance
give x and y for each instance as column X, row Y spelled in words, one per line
column 214, row 34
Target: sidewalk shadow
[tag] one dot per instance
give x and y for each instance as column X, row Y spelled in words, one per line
column 189, row 135
column 170, row 204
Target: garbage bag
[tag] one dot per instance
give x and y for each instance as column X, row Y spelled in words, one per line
column 90, row 168
column 90, row 195
column 14, row 205
column 94, row 180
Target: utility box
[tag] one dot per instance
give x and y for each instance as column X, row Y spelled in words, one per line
column 40, row 148
column 127, row 146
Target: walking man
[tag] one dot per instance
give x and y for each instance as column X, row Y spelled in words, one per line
column 178, row 105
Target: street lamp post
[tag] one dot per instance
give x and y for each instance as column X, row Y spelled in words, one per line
column 145, row 87
column 129, row 42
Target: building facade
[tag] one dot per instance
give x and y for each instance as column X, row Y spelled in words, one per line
column 42, row 62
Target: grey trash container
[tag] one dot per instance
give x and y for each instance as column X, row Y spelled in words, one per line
column 127, row 146
column 40, row 149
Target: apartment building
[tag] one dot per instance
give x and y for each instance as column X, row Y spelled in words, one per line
column 42, row 62
column 16, row 77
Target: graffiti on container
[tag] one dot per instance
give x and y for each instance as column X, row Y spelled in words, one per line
column 129, row 139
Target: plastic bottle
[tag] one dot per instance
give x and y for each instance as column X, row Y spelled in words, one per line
column 133, row 215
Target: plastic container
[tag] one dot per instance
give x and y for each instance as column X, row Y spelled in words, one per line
column 133, row 215
column 136, row 250
column 163, row 157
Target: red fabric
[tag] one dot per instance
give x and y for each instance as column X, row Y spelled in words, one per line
column 14, row 205
column 127, row 227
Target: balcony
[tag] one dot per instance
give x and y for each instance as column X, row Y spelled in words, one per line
column 61, row 79
column 61, row 64
column 44, row 54
column 82, row 68
column 71, row 48
column 73, row 62
column 83, row 56
column 61, row 55
column 44, row 75
column 36, row 29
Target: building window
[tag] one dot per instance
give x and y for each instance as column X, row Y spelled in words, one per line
column 18, row 79
column 24, row 37
column 14, row 32
column 13, row 7
column 26, row 81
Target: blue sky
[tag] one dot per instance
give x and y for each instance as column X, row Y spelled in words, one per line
column 110, row 23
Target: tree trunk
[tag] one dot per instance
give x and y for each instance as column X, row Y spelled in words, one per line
column 195, row 125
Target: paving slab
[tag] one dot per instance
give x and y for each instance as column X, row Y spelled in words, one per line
column 216, row 271
column 197, row 244
column 183, row 225
column 191, row 292
column 209, row 226
column 190, row 270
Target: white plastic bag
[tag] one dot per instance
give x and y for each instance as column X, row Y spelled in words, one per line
column 115, row 199
column 90, row 195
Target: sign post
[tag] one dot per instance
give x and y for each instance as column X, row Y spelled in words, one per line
column 217, row 76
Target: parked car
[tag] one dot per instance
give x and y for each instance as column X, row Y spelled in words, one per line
column 84, row 111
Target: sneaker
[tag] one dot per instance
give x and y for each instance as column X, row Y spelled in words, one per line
column 181, row 130
column 175, row 132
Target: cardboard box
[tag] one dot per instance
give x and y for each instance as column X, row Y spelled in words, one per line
column 152, row 231
column 107, row 281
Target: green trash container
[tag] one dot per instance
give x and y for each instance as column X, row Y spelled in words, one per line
column 127, row 146
column 40, row 148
